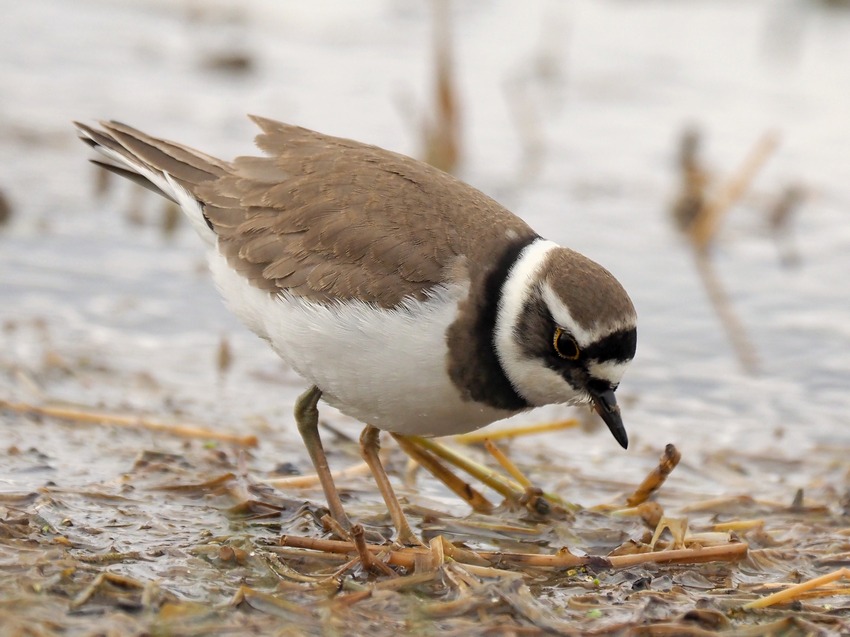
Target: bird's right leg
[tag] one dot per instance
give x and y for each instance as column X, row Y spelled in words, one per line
column 307, row 418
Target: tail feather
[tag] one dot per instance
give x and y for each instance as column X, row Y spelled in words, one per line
column 133, row 176
column 186, row 165
column 169, row 169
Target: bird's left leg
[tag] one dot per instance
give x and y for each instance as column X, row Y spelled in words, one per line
column 370, row 445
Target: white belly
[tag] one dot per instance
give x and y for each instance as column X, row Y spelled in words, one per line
column 382, row 367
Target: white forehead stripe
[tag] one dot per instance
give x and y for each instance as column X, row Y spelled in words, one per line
column 562, row 316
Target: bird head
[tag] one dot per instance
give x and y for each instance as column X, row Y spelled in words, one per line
column 565, row 331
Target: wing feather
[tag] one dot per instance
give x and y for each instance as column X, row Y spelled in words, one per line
column 323, row 217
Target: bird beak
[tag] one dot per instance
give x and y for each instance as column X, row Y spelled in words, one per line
column 606, row 406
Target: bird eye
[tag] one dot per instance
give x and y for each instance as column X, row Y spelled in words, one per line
column 565, row 345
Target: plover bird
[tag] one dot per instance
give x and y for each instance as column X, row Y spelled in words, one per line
column 405, row 298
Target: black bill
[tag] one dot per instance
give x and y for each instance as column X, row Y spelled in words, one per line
column 606, row 406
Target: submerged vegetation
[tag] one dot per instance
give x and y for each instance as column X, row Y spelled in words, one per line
column 196, row 541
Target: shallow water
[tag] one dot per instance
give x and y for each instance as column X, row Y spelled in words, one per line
column 101, row 310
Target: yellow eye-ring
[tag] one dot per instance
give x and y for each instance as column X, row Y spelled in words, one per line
column 565, row 345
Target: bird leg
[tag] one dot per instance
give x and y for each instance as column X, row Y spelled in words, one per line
column 307, row 418
column 370, row 445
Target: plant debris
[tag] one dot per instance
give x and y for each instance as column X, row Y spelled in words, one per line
column 186, row 541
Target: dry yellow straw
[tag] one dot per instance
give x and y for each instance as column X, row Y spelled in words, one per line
column 96, row 417
column 739, row 525
column 499, row 484
column 653, row 481
column 460, row 487
column 515, row 432
column 311, row 480
column 406, row 557
column 793, row 592
column 507, row 464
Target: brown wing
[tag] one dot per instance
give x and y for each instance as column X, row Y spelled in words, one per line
column 329, row 218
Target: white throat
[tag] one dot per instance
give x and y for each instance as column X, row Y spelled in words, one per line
column 532, row 380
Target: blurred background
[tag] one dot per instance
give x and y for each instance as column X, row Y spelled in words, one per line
column 698, row 149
